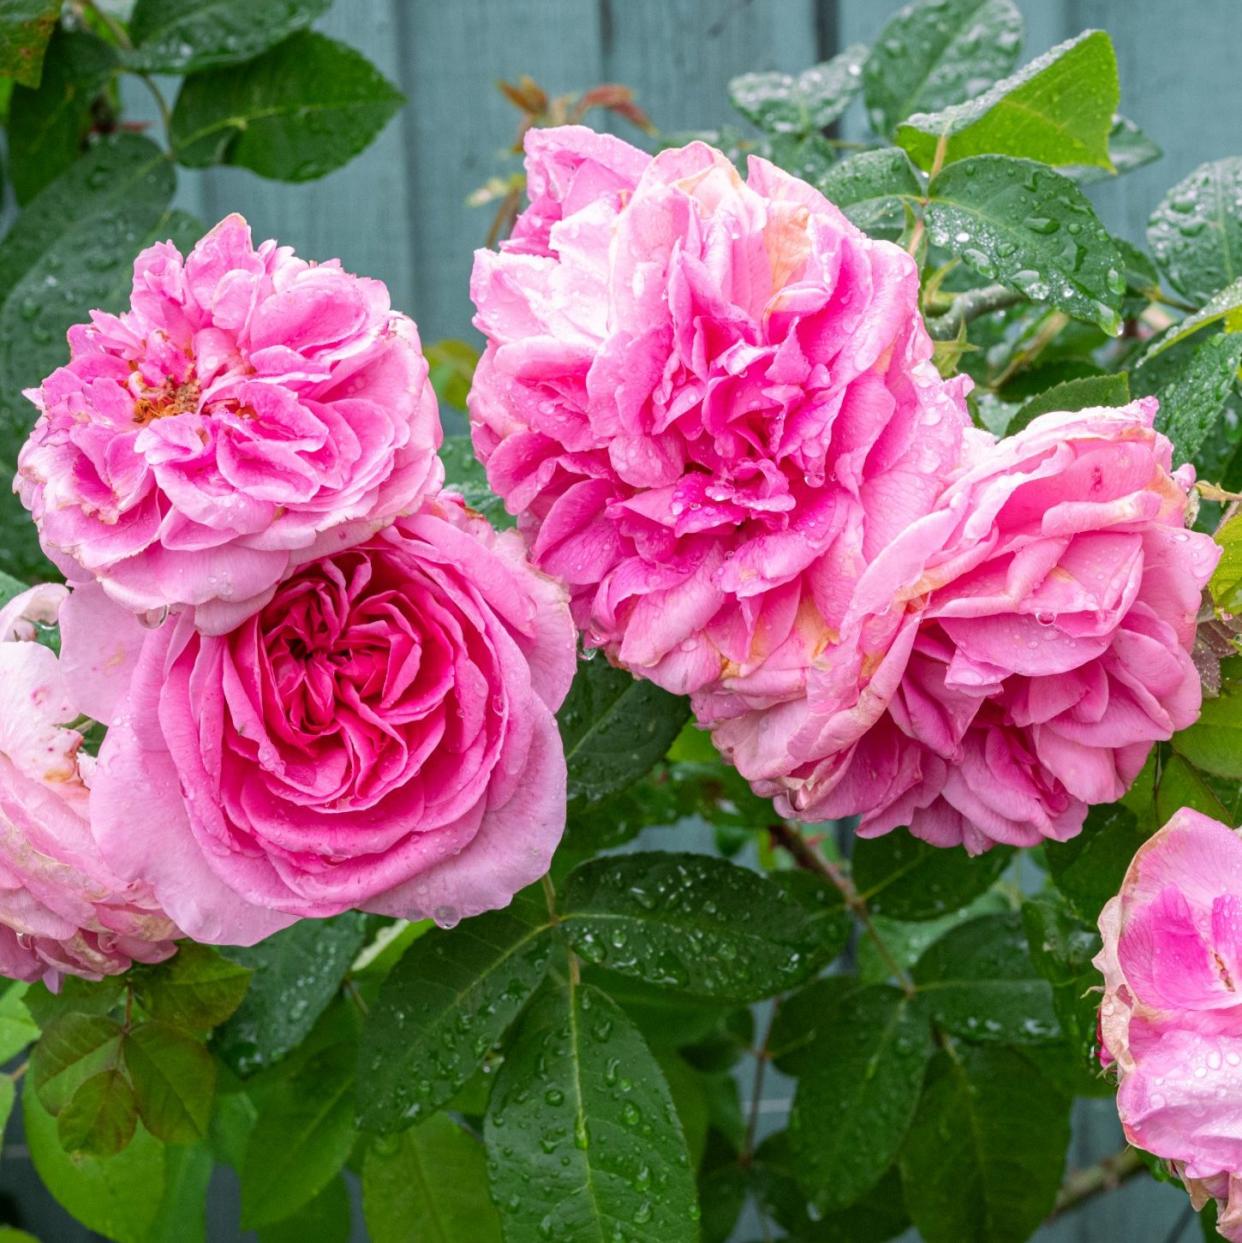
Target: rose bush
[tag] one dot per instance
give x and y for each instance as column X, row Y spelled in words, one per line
column 380, row 735
column 250, row 410
column 63, row 911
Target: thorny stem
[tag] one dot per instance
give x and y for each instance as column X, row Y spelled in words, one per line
column 1211, row 492
column 1105, row 1175
column 810, row 860
column 969, row 306
column 1044, row 335
column 916, row 234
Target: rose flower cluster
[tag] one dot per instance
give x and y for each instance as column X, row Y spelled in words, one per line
column 711, row 404
column 326, row 683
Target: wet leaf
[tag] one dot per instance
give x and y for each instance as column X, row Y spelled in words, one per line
column 325, row 1219
column 1077, row 394
column 858, row 1090
column 1214, row 742
column 977, row 981
column 296, row 974
column 1058, row 110
column 180, row 36
column 195, row 990
column 1088, row 869
column 1226, row 582
column 874, row 189
column 904, row 878
column 1195, row 233
column 298, row 111
column 781, row 103
column 1032, row 229
column 444, row 1005
column 71, row 1050
column 464, row 473
column 615, row 728
column 582, row 1136
column 930, row 55
column 1192, row 387
column 1226, row 306
column 698, row 924
column 984, row 1155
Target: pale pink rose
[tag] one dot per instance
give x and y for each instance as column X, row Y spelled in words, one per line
column 380, row 735
column 250, row 410
column 1016, row 652
column 1171, row 1017
column 62, row 910
column 710, row 401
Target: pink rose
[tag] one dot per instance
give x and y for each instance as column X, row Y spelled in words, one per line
column 251, row 410
column 710, row 402
column 1171, row 1019
column 62, row 910
column 1017, row 651
column 380, row 735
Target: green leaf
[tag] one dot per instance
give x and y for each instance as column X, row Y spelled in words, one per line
column 930, row 55
column 298, row 111
column 1214, row 742
column 464, row 473
column 581, row 1132
column 8, row 1094
column 296, row 974
column 444, row 1005
column 451, row 365
column 70, row 251
column 1077, row 394
column 1058, row 110
column 180, row 36
column 877, row 1217
column 1128, row 148
column 1226, row 584
column 874, row 189
column 25, row 28
column 325, row 1219
column 783, row 104
column 984, row 1157
column 1195, row 233
column 904, row 878
column 17, row 1027
column 174, row 1081
column 116, row 1196
column 614, row 728
column 978, row 982
column 1088, row 869
column 854, row 1103
column 48, row 125
column 667, row 1019
column 195, row 990
column 1032, row 229
column 71, row 1050
column 1192, row 388
column 74, row 994
column 696, row 923
column 100, row 1118
column 182, row 1213
column 1226, row 305
column 429, row 1184
column 303, row 1136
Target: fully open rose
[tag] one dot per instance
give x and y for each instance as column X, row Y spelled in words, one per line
column 709, row 400
column 380, row 735
column 249, row 409
column 1023, row 646
column 62, row 909
column 1171, row 1018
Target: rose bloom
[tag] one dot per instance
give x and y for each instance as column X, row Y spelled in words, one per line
column 1022, row 647
column 62, row 910
column 1171, row 1018
column 248, row 411
column 380, row 735
column 710, row 401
